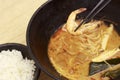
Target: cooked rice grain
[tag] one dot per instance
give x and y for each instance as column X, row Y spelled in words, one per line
column 14, row 67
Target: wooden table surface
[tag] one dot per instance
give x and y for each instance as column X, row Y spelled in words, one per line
column 14, row 18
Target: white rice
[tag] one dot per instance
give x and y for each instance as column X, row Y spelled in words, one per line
column 14, row 67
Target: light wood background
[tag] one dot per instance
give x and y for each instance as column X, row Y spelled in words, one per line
column 14, row 19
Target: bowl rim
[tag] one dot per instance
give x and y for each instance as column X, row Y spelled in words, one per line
column 12, row 44
column 37, row 74
column 28, row 41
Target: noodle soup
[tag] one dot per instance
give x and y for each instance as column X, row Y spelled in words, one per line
column 72, row 52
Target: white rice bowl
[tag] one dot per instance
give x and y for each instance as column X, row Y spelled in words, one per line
column 14, row 67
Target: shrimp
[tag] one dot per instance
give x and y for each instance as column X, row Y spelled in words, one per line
column 72, row 24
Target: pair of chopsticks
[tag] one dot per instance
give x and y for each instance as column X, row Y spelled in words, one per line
column 100, row 5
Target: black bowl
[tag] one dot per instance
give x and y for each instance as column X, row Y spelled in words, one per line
column 24, row 51
column 50, row 16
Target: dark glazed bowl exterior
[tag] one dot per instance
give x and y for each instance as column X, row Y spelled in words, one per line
column 24, row 51
column 50, row 16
